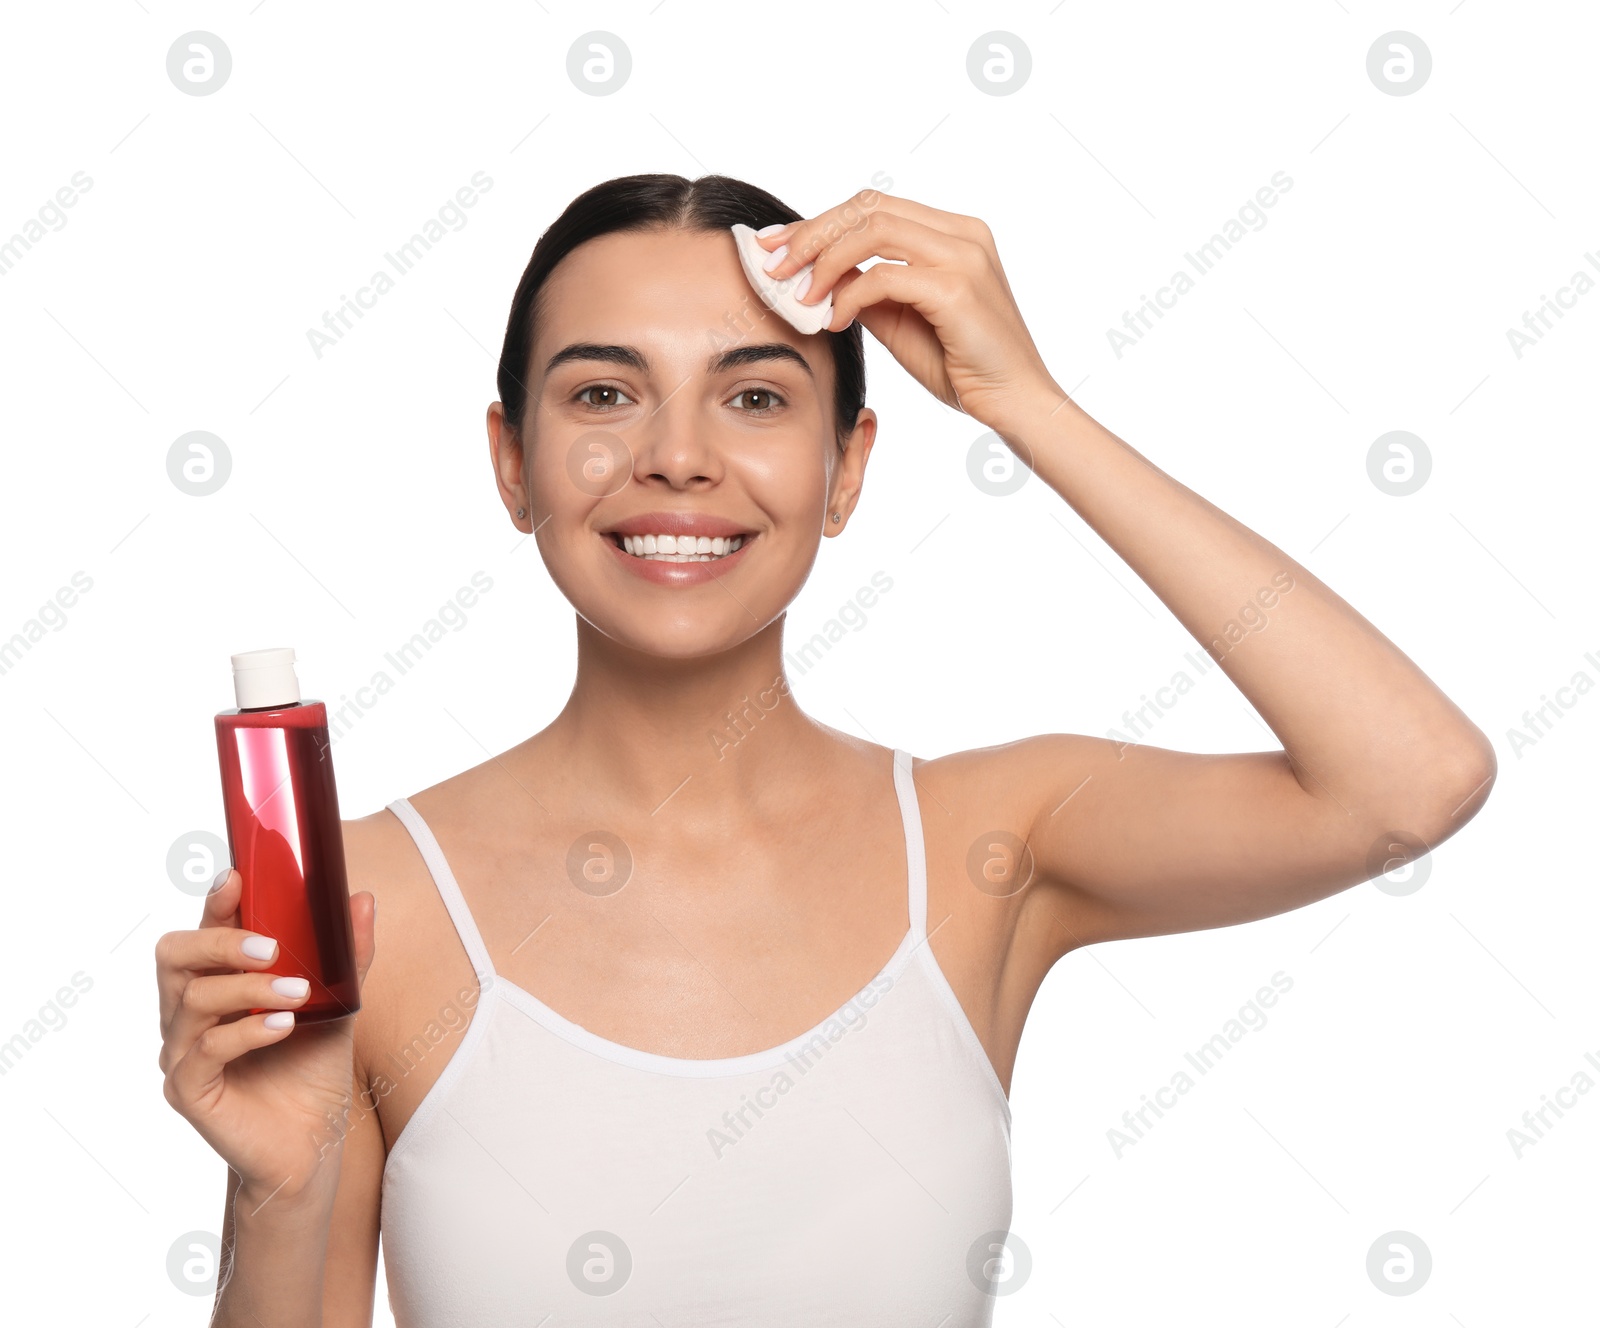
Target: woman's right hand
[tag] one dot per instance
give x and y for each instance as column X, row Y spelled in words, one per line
column 275, row 1116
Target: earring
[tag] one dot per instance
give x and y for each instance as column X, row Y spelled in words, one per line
column 521, row 512
column 836, row 518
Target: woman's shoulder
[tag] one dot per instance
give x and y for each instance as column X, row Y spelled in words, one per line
column 451, row 796
column 989, row 781
column 381, row 854
column 1007, row 774
column 381, row 857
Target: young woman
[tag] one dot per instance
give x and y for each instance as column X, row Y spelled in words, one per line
column 694, row 1010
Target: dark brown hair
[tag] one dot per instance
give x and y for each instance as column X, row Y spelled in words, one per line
column 641, row 202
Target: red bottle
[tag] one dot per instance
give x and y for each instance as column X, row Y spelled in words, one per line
column 284, row 835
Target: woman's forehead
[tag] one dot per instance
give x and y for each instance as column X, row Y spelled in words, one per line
column 676, row 285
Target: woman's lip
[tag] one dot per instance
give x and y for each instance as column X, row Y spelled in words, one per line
column 664, row 573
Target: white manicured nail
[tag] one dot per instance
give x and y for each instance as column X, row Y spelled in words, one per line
column 292, row 988
column 259, row 947
column 280, row 1019
column 778, row 255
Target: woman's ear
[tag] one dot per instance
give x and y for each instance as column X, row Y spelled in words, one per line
column 505, row 455
column 850, row 473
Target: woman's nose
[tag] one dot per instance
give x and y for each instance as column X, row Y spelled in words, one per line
column 675, row 445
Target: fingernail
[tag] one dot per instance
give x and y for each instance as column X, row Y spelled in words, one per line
column 259, row 947
column 280, row 1019
column 778, row 255
column 221, row 880
column 291, row 988
column 772, row 229
column 802, row 285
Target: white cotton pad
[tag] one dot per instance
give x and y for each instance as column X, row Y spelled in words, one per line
column 779, row 295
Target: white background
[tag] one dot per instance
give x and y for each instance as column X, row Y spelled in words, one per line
column 1419, row 228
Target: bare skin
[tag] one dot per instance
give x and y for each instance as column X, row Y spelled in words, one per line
column 740, row 925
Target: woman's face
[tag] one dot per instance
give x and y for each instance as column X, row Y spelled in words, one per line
column 664, row 399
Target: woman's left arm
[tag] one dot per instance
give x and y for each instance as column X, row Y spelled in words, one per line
column 1377, row 762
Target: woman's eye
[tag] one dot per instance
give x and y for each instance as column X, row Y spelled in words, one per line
column 765, row 400
column 607, row 396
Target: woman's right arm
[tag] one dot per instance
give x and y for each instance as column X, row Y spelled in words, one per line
column 273, row 1260
column 281, row 1106
column 324, row 1253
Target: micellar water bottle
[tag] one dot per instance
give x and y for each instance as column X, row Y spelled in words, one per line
column 284, row 835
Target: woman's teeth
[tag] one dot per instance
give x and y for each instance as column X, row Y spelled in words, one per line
column 680, row 548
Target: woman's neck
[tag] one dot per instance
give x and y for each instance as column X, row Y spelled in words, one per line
column 697, row 732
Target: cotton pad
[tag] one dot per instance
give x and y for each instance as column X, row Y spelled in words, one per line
column 779, row 295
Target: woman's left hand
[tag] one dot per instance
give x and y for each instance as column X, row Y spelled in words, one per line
column 945, row 310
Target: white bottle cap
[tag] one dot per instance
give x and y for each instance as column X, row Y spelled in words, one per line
column 265, row 678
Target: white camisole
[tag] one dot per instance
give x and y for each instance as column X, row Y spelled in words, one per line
column 858, row 1174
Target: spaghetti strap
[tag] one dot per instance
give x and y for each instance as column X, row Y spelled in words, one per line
column 916, row 860
column 449, row 891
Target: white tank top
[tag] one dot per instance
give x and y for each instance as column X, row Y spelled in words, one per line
column 859, row 1173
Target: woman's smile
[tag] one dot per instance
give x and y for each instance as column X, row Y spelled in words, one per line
column 679, row 548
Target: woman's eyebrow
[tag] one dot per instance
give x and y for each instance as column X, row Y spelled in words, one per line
column 589, row 350
column 633, row 359
column 770, row 350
